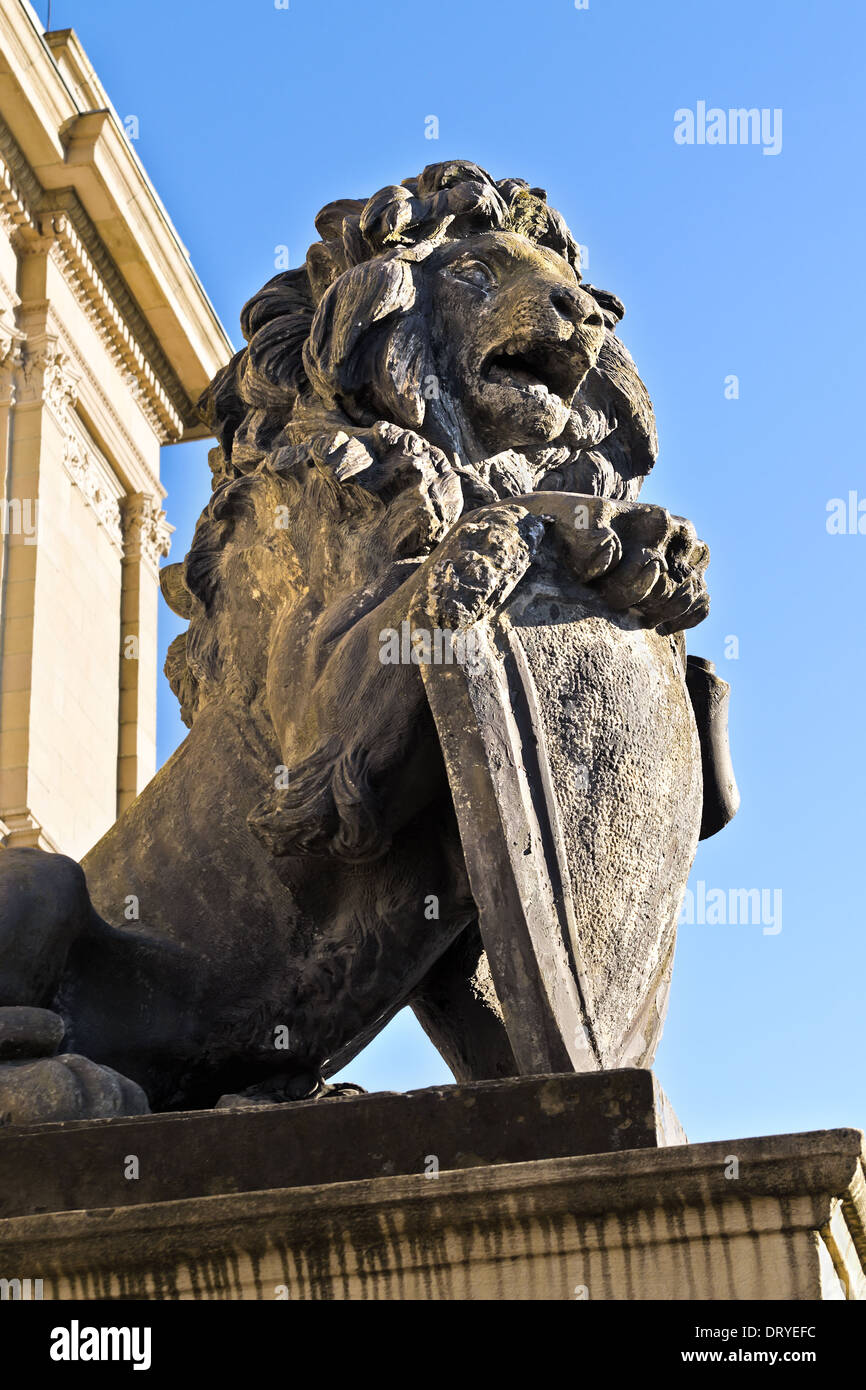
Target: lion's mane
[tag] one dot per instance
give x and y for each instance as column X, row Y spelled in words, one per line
column 333, row 369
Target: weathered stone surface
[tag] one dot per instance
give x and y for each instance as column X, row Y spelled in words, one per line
column 666, row 1223
column 412, row 406
column 26, row 1032
column 64, row 1088
column 205, row 1153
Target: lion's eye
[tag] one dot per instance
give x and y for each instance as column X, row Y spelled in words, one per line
column 474, row 273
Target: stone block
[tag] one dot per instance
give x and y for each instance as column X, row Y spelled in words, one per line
column 349, row 1206
column 203, row 1153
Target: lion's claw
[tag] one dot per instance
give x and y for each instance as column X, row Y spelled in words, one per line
column 607, row 555
column 634, row 578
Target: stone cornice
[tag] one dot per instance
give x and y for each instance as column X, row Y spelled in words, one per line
column 76, row 69
column 67, row 202
column 73, row 151
column 57, row 233
column 15, row 205
column 19, row 179
column 64, row 232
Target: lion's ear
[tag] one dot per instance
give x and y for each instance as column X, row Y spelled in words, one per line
column 361, row 346
column 405, row 374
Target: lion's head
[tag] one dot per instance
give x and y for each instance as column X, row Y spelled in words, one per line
column 444, row 317
column 451, row 305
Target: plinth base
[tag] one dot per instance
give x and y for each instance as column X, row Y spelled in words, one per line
column 544, row 1188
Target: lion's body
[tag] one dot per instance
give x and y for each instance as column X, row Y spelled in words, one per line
column 293, row 875
column 247, row 942
column 195, row 1014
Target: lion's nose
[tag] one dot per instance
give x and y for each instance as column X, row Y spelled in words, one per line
column 578, row 307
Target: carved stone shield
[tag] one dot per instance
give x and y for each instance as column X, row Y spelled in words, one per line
column 574, row 765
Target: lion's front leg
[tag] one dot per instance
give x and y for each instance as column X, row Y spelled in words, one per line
column 44, row 908
column 361, row 753
column 477, row 567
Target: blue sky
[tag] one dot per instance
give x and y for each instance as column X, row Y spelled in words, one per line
column 730, row 262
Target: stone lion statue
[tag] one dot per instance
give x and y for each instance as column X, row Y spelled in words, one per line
column 261, row 911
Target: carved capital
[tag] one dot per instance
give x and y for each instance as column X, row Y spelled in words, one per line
column 48, row 378
column 11, row 359
column 146, row 533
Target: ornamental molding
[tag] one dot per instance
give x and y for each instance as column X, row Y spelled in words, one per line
column 146, row 532
column 23, row 189
column 59, row 238
column 10, row 295
column 53, row 234
column 84, row 371
column 91, row 474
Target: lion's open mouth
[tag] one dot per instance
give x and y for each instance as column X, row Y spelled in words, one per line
column 552, row 369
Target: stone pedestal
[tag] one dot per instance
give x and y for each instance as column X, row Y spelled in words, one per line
column 556, row 1187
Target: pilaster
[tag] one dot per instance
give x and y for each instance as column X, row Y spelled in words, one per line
column 146, row 538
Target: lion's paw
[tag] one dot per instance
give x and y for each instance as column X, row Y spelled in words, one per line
column 285, row 1090
column 67, row 1087
column 661, row 573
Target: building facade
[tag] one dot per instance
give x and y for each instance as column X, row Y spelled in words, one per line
column 106, row 341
